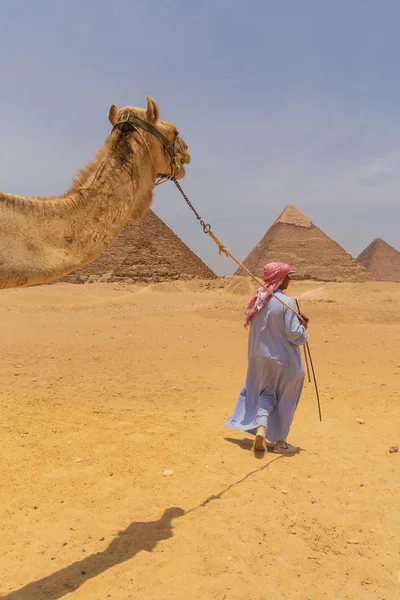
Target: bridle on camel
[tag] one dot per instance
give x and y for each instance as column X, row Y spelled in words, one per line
column 129, row 122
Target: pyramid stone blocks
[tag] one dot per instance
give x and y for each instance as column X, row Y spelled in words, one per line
column 294, row 239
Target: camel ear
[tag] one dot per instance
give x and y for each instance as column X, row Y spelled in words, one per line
column 113, row 114
column 152, row 110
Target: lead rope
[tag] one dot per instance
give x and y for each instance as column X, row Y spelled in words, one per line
column 223, row 249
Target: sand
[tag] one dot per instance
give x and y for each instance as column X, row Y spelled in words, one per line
column 104, row 388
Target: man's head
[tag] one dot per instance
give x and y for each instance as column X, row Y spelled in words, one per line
column 277, row 275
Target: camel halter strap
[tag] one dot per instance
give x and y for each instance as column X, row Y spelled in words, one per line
column 130, row 121
column 135, row 122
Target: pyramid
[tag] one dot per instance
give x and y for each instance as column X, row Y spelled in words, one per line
column 382, row 260
column 294, row 239
column 148, row 252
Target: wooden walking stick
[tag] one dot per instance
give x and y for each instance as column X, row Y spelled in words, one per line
column 308, row 352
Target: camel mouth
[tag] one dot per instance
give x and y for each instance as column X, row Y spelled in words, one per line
column 185, row 160
column 181, row 173
column 182, row 151
column 182, row 157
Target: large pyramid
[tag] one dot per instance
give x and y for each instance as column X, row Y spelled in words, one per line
column 149, row 252
column 382, row 260
column 294, row 239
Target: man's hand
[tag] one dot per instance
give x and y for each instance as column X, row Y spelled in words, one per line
column 303, row 320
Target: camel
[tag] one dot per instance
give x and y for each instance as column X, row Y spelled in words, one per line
column 43, row 239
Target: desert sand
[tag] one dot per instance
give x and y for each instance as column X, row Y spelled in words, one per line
column 104, row 388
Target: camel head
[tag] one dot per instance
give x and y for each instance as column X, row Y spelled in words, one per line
column 161, row 151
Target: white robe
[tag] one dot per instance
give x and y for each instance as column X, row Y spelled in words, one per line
column 275, row 373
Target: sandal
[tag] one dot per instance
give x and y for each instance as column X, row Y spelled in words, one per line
column 286, row 449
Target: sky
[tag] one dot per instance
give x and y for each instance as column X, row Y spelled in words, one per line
column 280, row 101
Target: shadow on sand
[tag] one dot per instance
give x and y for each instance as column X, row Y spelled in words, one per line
column 136, row 537
column 130, row 541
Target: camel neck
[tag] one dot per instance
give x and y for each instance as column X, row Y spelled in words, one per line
column 45, row 238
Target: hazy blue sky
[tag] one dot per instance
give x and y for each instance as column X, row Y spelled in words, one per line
column 280, row 101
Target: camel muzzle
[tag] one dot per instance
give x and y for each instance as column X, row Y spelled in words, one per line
column 128, row 121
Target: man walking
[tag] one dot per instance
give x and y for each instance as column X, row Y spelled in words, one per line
column 275, row 374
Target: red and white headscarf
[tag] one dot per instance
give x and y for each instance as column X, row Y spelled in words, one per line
column 274, row 275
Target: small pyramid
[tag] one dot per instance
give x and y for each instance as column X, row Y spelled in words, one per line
column 382, row 260
column 294, row 239
column 148, row 252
